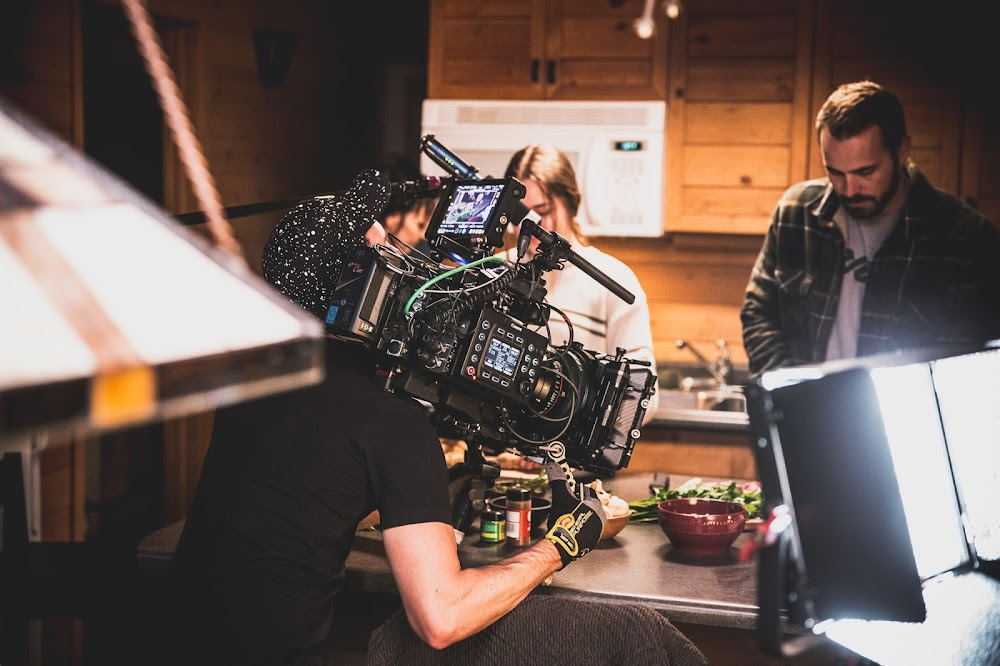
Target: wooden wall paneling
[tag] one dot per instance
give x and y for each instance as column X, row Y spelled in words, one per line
column 694, row 452
column 698, row 323
column 801, row 137
column 742, row 32
column 972, row 156
column 79, row 496
column 981, row 167
column 752, row 206
column 677, row 90
column 987, row 194
column 45, row 32
column 55, row 470
column 50, row 90
column 76, row 73
column 746, row 80
column 596, row 54
column 739, row 124
column 186, row 441
column 858, row 42
column 734, row 166
column 822, row 79
column 739, row 142
column 182, row 46
column 484, row 49
column 694, row 285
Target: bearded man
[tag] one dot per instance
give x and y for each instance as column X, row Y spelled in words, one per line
column 871, row 259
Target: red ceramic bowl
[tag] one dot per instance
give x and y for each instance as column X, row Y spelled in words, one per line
column 702, row 526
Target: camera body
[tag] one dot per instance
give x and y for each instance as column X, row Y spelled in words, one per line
column 468, row 340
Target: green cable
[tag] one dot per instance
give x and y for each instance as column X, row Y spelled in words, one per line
column 422, row 288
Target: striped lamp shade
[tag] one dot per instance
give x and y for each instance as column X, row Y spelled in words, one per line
column 112, row 314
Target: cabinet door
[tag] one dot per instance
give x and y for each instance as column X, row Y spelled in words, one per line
column 479, row 49
column 591, row 52
column 738, row 123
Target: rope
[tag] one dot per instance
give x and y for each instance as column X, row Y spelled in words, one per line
column 176, row 115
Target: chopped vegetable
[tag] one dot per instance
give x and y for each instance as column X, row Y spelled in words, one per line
column 747, row 494
column 538, row 485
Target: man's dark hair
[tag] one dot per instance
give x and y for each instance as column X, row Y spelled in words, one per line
column 854, row 107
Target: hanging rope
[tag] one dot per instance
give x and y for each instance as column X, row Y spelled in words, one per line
column 176, row 115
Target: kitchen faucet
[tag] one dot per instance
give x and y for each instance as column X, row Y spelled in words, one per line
column 721, row 368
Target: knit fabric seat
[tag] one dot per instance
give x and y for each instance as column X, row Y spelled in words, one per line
column 547, row 629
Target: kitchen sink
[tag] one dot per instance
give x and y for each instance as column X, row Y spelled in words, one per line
column 725, row 399
column 722, row 408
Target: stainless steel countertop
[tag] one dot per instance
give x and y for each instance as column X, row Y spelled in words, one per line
column 700, row 419
column 638, row 566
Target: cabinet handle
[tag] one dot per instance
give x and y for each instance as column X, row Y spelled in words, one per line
column 551, row 72
column 534, row 70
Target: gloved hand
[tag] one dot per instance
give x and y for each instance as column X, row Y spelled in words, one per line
column 576, row 519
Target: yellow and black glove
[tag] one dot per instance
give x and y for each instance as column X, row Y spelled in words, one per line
column 576, row 519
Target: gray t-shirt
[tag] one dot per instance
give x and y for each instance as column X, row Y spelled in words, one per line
column 862, row 239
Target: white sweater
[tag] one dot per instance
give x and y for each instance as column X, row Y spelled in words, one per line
column 601, row 321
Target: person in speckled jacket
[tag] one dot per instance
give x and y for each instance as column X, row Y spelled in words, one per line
column 873, row 258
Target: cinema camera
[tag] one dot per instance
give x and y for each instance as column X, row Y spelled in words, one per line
column 472, row 339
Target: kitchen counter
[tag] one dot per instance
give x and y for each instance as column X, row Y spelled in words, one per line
column 700, row 419
column 638, row 566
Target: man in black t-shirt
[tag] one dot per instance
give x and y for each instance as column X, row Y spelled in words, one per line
column 288, row 478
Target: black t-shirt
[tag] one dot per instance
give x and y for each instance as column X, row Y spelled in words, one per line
column 285, row 482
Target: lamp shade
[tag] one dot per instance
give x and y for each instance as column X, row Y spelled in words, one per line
column 112, row 313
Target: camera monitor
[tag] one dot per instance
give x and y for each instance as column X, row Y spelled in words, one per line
column 475, row 213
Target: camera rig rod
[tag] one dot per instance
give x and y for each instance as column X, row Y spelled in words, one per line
column 447, row 160
column 558, row 247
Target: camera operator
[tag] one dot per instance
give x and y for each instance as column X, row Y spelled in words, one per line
column 288, row 478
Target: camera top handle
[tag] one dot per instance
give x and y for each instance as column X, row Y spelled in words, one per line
column 556, row 246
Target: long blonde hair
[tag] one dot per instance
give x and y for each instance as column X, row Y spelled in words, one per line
column 551, row 169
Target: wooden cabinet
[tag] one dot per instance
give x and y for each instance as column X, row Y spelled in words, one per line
column 543, row 49
column 738, row 127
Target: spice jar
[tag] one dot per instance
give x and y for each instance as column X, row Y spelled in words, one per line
column 492, row 525
column 518, row 516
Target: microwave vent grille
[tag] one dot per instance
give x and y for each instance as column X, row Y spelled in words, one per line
column 559, row 115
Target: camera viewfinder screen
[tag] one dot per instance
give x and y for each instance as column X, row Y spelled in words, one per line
column 502, row 357
column 470, row 209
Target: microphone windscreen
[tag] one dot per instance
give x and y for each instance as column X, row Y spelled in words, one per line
column 367, row 197
column 307, row 248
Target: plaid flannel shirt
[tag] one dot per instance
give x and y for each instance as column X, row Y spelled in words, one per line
column 935, row 281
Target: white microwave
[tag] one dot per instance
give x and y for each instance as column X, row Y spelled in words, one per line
column 617, row 150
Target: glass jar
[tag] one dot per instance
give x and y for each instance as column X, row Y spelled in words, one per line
column 518, row 516
column 492, row 525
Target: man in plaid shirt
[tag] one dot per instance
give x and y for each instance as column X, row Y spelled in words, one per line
column 872, row 258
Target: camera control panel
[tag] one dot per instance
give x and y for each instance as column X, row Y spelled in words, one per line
column 504, row 355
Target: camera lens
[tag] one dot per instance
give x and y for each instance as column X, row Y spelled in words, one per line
column 561, row 388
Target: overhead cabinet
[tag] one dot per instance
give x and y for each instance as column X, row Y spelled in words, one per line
column 742, row 82
column 543, row 49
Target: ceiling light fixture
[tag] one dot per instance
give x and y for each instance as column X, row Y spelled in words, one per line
column 672, row 8
column 644, row 26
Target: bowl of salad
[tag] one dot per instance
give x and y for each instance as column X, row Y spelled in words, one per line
column 748, row 494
